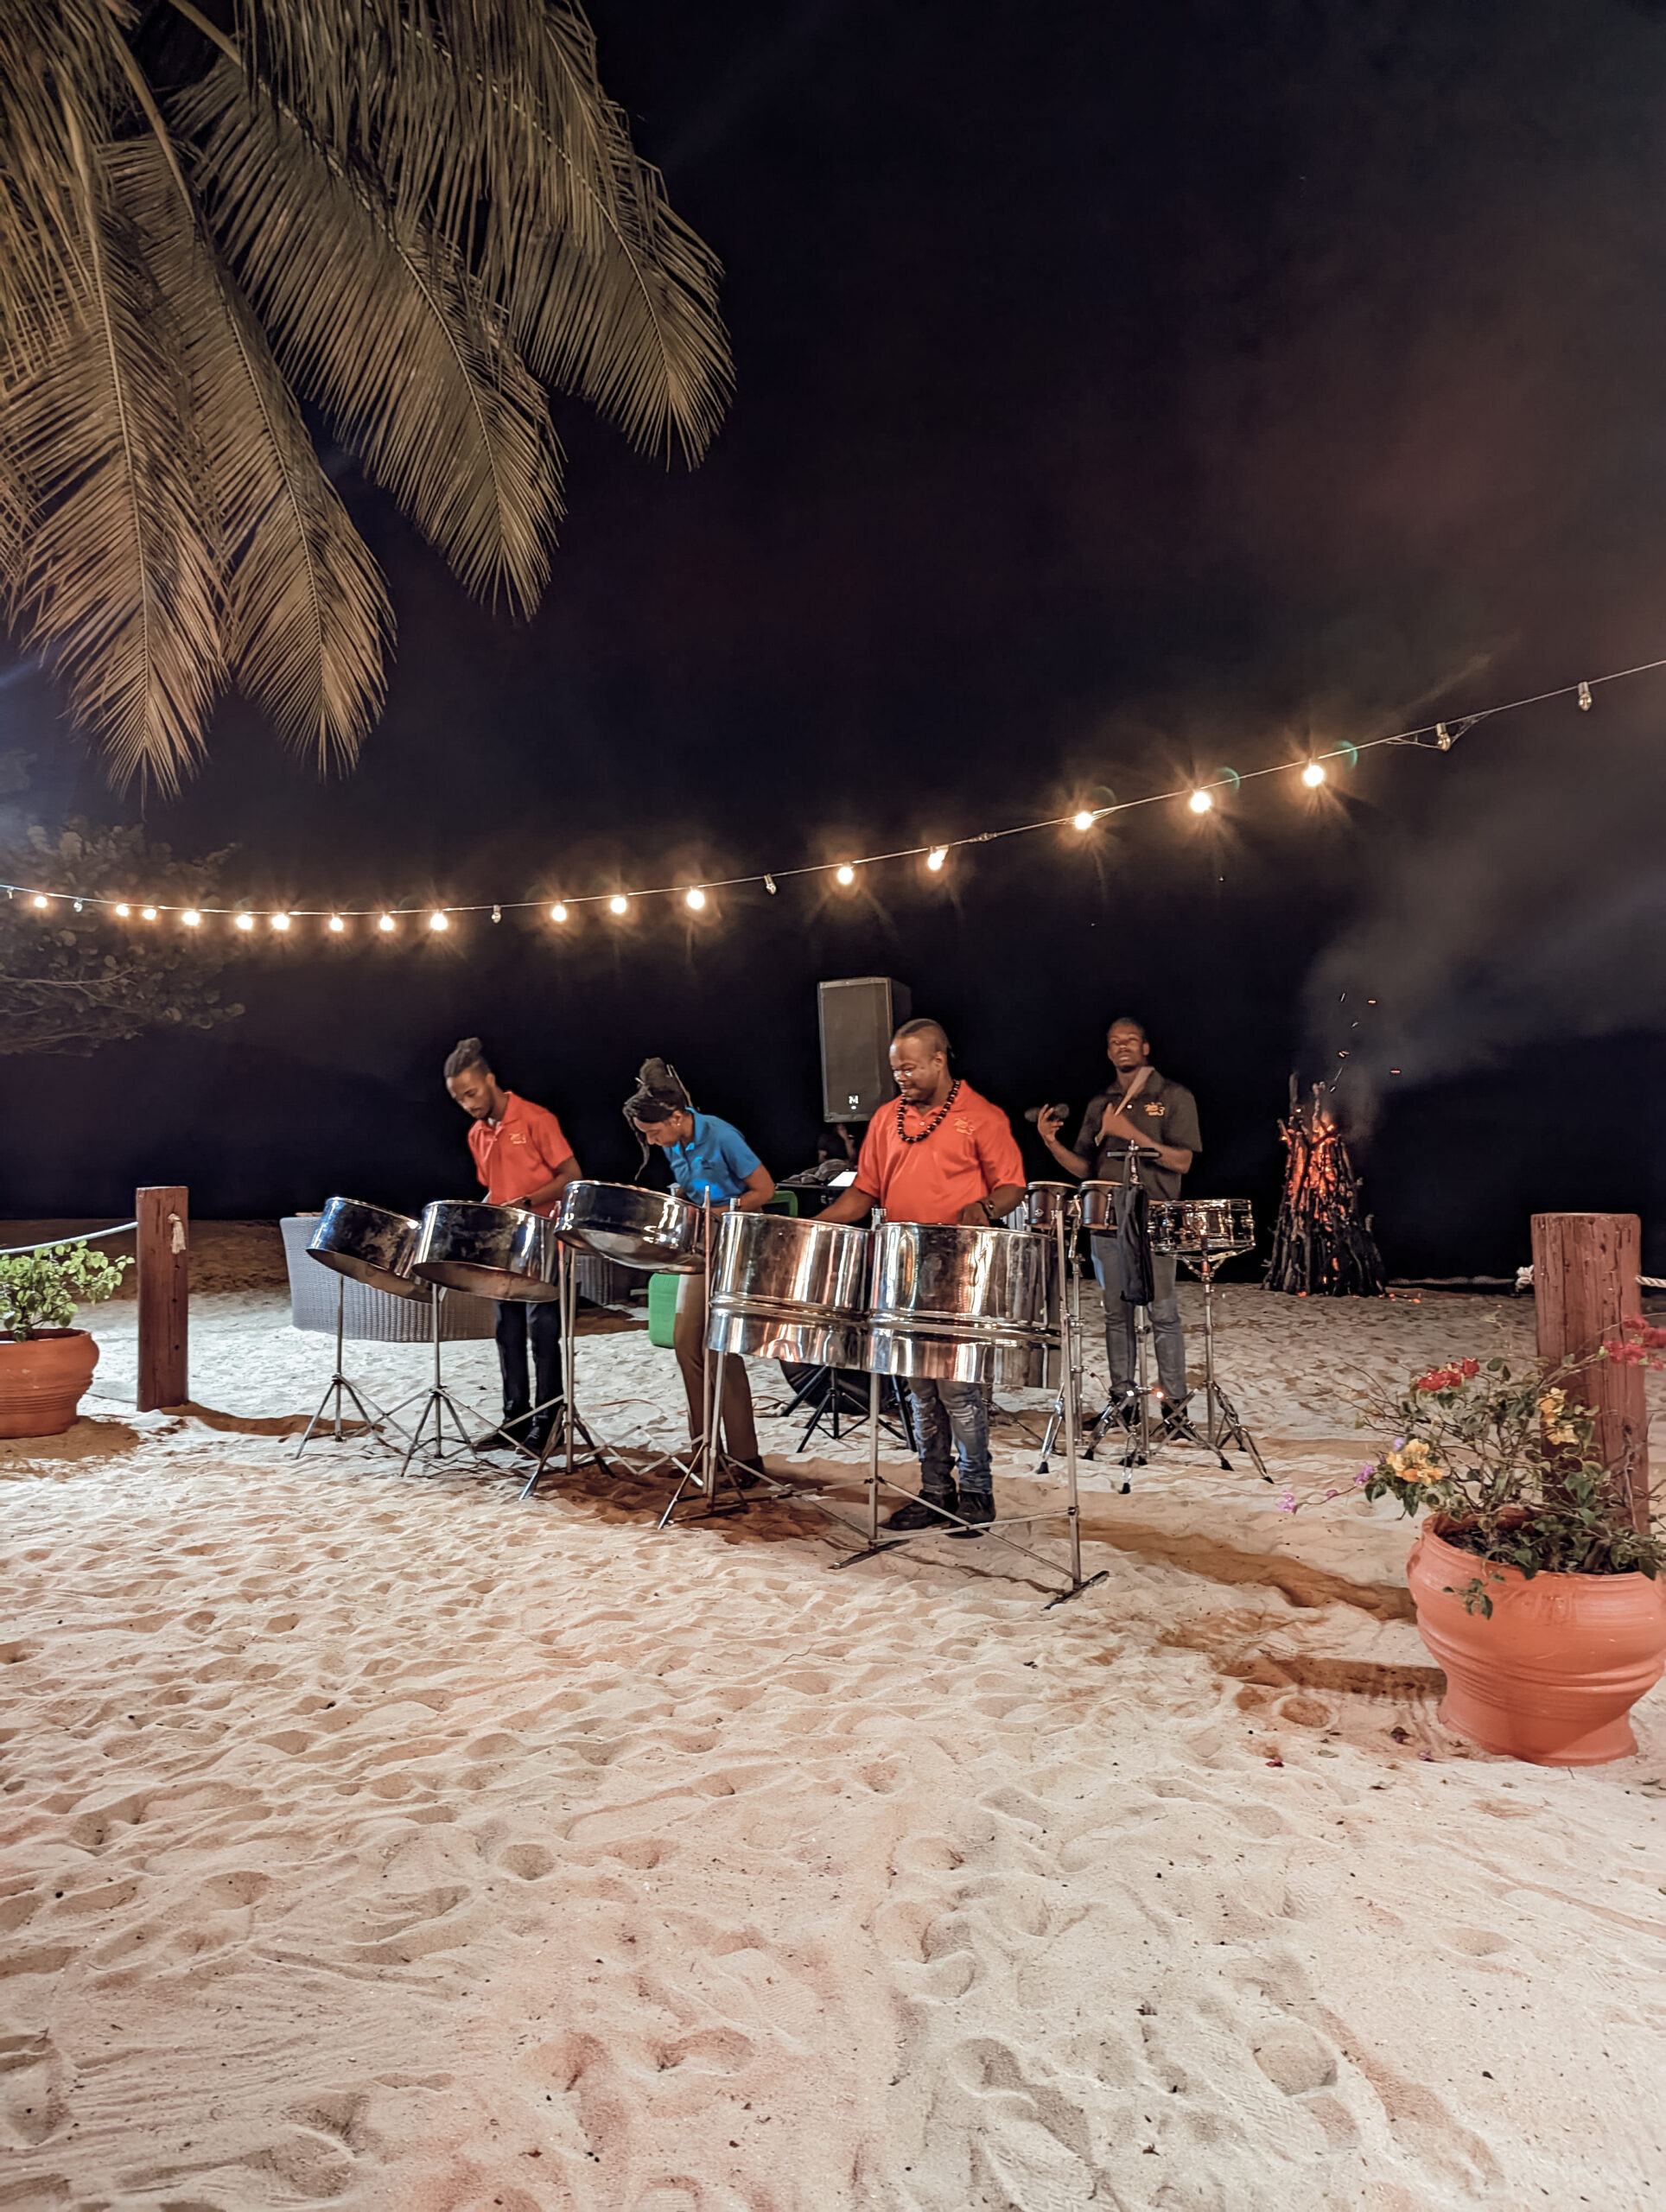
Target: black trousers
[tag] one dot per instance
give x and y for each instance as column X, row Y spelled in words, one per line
column 517, row 1319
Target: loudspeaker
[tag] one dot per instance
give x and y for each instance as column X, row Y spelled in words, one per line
column 858, row 1018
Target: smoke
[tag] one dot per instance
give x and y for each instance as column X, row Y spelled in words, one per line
column 1522, row 905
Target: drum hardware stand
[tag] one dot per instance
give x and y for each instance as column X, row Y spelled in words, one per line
column 1222, row 1425
column 341, row 1385
column 709, row 1462
column 829, row 1409
column 566, row 1423
column 438, row 1403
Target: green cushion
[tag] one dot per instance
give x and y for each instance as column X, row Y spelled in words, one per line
column 662, row 1309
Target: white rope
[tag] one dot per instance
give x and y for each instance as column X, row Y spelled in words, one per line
column 12, row 1251
column 1524, row 1279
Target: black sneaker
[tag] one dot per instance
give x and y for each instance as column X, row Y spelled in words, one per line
column 977, row 1508
column 923, row 1512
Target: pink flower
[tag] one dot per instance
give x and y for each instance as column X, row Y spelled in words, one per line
column 1364, row 1477
column 1288, row 1502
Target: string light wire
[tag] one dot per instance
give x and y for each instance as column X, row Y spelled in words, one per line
column 1436, row 736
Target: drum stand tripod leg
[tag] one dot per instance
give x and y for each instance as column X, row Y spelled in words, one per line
column 1070, row 1319
column 567, row 1426
column 342, row 1386
column 709, row 1461
column 874, row 1543
column 437, row 1404
column 1225, row 1427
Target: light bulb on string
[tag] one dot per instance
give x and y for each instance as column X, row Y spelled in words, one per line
column 245, row 921
column 558, row 912
column 769, row 885
column 618, row 904
column 438, row 920
column 1312, row 775
column 280, row 923
column 497, row 913
column 1584, row 697
column 192, row 919
column 336, row 925
column 150, row 913
column 1082, row 820
column 42, row 901
column 385, row 924
column 78, row 905
column 845, row 873
column 124, row 910
column 1200, row 802
column 694, row 897
column 936, row 857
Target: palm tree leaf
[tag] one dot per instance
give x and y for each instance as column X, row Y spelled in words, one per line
column 116, row 578
column 307, row 612
column 382, row 325
column 486, row 122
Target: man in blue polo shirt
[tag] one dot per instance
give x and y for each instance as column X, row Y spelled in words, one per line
column 708, row 1158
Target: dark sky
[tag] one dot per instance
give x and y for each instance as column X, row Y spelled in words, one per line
column 1122, row 394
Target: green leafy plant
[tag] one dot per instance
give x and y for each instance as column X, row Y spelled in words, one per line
column 1504, row 1453
column 41, row 1290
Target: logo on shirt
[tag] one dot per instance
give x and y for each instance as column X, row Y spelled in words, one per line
column 1156, row 1106
column 961, row 1126
column 517, row 1136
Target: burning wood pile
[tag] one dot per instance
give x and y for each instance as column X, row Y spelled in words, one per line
column 1322, row 1247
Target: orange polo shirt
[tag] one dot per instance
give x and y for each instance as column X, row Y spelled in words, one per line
column 970, row 1152
column 516, row 1154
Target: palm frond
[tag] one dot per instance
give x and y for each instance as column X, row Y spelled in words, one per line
column 384, row 326
column 486, row 122
column 307, row 612
column 116, row 578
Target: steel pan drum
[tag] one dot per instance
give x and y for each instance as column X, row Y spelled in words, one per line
column 369, row 1243
column 493, row 1251
column 1200, row 1225
column 957, row 1305
column 642, row 1229
column 1046, row 1203
column 790, row 1290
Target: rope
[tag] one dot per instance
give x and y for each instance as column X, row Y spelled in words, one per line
column 13, row 1251
column 1524, row 1279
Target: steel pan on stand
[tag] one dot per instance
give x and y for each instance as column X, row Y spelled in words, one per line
column 500, row 1252
column 787, row 1289
column 639, row 1229
column 372, row 1245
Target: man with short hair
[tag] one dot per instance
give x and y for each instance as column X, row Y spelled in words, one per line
column 1146, row 1110
column 942, row 1153
column 524, row 1161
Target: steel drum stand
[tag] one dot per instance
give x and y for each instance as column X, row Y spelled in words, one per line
column 1222, row 1425
column 438, row 1403
column 342, row 1386
column 707, row 1463
column 568, row 1427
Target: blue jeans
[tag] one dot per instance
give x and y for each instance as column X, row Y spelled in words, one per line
column 1165, row 1312
column 946, row 1413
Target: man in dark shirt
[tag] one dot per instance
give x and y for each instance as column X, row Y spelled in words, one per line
column 1142, row 1108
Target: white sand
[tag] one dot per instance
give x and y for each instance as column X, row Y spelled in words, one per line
column 393, row 1844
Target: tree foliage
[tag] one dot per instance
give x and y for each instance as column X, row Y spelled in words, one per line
column 417, row 217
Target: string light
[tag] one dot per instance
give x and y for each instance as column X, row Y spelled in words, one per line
column 847, row 874
column 558, row 912
column 123, row 910
column 497, row 913
column 769, row 885
column 1585, row 698
column 1083, row 820
column 245, row 921
column 385, row 924
column 42, row 901
column 150, row 913
column 936, row 857
column 280, row 922
column 695, row 898
column 1200, row 802
column 192, row 919
column 1312, row 775
column 336, row 925
column 437, row 920
column 618, row 904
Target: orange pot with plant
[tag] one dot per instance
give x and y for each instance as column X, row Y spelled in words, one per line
column 46, row 1362
column 1535, row 1579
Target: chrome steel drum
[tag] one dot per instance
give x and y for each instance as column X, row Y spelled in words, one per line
column 642, row 1229
column 369, row 1243
column 1098, row 1202
column 959, row 1304
column 791, row 1290
column 494, row 1251
column 1199, row 1225
column 1046, row 1203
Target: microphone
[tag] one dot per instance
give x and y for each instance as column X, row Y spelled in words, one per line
column 1034, row 1113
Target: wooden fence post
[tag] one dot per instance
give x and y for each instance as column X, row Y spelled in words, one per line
column 164, row 1216
column 1584, row 1280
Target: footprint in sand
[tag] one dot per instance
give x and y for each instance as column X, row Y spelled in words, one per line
column 34, row 2089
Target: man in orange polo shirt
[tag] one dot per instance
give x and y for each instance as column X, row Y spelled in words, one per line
column 941, row 1155
column 524, row 1161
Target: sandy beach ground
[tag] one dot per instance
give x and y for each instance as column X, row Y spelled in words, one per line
column 383, row 1841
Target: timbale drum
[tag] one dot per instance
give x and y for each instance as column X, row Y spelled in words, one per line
column 1192, row 1227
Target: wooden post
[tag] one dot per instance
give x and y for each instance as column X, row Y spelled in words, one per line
column 1584, row 1280
column 164, row 1216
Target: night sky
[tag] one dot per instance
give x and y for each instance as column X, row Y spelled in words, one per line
column 1122, row 394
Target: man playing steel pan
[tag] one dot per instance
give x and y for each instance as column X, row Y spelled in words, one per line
column 524, row 1161
column 708, row 1158
column 942, row 1153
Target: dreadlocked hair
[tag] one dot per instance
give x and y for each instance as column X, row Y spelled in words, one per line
column 659, row 1093
column 467, row 1053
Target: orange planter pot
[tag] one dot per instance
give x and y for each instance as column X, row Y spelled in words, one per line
column 42, row 1379
column 1553, row 1676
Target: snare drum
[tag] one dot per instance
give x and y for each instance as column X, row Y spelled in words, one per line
column 494, row 1251
column 639, row 1229
column 957, row 1305
column 370, row 1245
column 790, row 1290
column 1194, row 1226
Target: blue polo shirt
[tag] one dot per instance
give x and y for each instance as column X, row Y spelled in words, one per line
column 717, row 1159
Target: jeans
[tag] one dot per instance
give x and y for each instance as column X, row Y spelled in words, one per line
column 740, row 1433
column 540, row 1320
column 1165, row 1312
column 946, row 1414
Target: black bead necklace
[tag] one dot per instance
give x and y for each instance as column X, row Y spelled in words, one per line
column 936, row 1121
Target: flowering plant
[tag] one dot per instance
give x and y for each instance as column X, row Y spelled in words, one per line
column 1504, row 1452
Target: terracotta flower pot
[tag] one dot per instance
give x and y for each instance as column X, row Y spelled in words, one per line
column 41, row 1381
column 1553, row 1676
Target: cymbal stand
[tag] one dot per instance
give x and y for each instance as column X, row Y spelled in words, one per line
column 438, row 1403
column 709, row 1461
column 1223, row 1425
column 567, row 1425
column 341, row 1385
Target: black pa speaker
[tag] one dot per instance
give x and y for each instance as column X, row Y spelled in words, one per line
column 859, row 1017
